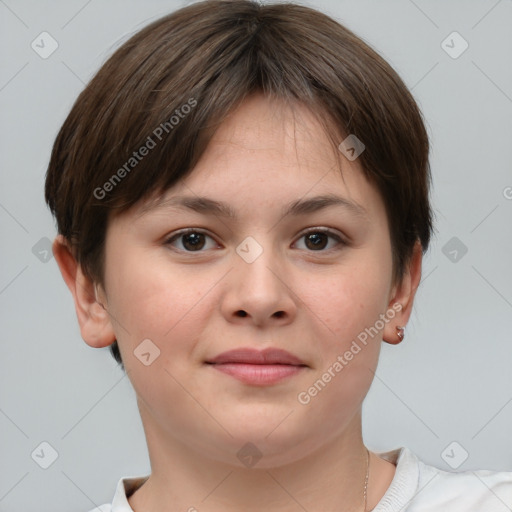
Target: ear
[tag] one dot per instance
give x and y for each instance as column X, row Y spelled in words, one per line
column 94, row 320
column 403, row 293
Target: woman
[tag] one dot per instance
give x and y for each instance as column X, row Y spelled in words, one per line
column 242, row 197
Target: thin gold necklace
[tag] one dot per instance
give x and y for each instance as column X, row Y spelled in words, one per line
column 366, row 479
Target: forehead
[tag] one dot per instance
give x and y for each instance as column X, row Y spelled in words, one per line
column 265, row 152
column 281, row 129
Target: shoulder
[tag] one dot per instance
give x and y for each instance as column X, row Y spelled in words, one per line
column 465, row 490
column 420, row 487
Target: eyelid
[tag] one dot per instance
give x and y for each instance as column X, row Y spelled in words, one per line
column 322, row 229
column 185, row 231
column 341, row 239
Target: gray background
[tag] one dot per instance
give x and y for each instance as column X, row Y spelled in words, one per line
column 449, row 381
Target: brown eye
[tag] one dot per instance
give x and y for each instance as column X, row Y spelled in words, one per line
column 317, row 240
column 190, row 241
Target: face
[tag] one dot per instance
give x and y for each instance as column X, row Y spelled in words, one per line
column 307, row 280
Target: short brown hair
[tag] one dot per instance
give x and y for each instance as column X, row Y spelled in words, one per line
column 209, row 56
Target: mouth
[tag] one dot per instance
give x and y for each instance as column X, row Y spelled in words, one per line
column 258, row 367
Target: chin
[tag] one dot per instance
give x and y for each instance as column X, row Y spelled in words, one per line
column 263, row 446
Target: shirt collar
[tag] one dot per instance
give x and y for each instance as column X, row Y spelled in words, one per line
column 125, row 488
column 399, row 493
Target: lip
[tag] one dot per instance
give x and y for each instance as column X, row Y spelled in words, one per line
column 258, row 367
column 269, row 356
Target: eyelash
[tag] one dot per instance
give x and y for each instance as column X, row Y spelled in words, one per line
column 324, row 231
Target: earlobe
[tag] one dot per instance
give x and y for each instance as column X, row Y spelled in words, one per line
column 93, row 318
column 403, row 294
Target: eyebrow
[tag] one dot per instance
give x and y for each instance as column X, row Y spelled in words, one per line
column 205, row 205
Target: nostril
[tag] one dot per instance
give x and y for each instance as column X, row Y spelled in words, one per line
column 278, row 314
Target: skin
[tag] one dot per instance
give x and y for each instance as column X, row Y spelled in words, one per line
column 310, row 301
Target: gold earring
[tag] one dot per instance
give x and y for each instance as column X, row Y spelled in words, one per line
column 400, row 331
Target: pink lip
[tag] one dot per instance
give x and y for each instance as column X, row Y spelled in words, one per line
column 258, row 367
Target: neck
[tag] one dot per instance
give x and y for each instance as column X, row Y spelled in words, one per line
column 330, row 478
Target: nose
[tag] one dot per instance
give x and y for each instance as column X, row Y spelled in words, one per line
column 259, row 291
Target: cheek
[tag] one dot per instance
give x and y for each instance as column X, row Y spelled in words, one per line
column 148, row 298
column 352, row 298
column 350, row 303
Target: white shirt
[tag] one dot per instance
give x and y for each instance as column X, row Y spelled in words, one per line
column 416, row 487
